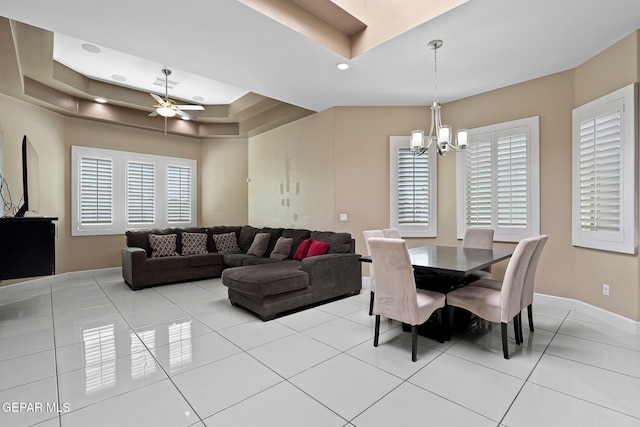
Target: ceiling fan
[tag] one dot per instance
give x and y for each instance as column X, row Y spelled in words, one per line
column 167, row 107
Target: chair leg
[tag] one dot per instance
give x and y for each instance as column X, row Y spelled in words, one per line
column 414, row 342
column 505, row 347
column 520, row 327
column 376, row 333
column 530, row 313
column 443, row 317
column 517, row 329
column 371, row 304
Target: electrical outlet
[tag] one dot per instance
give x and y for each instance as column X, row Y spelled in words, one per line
column 605, row 289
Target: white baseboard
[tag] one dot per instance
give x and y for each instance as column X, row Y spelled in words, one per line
column 623, row 323
column 58, row 278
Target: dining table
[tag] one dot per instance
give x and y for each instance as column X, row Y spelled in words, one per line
column 444, row 268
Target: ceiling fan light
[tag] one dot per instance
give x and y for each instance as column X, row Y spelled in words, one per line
column 166, row 111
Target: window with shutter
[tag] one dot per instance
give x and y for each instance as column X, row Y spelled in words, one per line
column 178, row 193
column 115, row 191
column 413, row 187
column 604, row 171
column 96, row 191
column 141, row 191
column 478, row 193
column 498, row 180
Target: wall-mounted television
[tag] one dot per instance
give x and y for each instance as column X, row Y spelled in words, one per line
column 30, row 179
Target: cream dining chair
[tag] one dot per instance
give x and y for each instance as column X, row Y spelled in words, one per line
column 396, row 296
column 392, row 233
column 527, row 292
column 479, row 238
column 372, row 278
column 529, row 281
column 502, row 304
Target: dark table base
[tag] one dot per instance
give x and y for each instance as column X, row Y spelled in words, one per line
column 459, row 319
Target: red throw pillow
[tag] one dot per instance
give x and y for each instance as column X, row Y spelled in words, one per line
column 317, row 248
column 301, row 252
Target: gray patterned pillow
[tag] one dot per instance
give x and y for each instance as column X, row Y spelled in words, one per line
column 194, row 243
column 162, row 245
column 227, row 242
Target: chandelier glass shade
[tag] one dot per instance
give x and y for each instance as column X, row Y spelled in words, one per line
column 439, row 134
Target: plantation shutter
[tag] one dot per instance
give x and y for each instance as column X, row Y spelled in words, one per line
column 601, row 172
column 499, row 180
column 140, row 192
column 178, row 193
column 512, row 185
column 96, row 191
column 413, row 188
column 478, row 183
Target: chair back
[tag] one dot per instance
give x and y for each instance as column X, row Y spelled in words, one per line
column 395, row 295
column 367, row 235
column 527, row 291
column 514, row 278
column 478, row 238
column 392, row 233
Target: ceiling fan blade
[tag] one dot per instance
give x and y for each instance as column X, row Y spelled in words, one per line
column 157, row 98
column 190, row 107
column 154, row 113
column 185, row 115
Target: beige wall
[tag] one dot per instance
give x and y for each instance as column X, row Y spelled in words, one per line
column 292, row 175
column 612, row 69
column 223, row 182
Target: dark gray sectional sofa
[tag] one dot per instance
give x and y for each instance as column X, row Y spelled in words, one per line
column 262, row 284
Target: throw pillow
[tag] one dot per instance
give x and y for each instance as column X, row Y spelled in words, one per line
column 194, row 243
column 301, row 253
column 282, row 248
column 317, row 248
column 259, row 245
column 162, row 245
column 227, row 242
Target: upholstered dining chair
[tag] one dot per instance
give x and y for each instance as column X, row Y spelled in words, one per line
column 372, row 277
column 502, row 304
column 479, row 238
column 396, row 296
column 527, row 291
column 392, row 233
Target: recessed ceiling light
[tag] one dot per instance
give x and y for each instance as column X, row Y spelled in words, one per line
column 198, row 98
column 101, row 100
column 342, row 66
column 90, row 48
column 118, row 78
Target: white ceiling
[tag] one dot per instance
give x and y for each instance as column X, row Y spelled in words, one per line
column 487, row 44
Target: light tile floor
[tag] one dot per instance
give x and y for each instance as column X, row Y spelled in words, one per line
column 92, row 352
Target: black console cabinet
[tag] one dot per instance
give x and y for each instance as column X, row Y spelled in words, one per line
column 27, row 247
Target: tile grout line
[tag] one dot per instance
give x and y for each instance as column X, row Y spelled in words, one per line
column 200, row 419
column 534, row 368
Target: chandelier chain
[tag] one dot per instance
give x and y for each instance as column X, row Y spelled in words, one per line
column 435, row 74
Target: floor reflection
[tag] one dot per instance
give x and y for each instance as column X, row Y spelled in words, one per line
column 100, row 358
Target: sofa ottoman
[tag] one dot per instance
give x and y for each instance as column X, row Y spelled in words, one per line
column 268, row 289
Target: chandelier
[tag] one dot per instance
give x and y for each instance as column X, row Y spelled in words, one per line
column 439, row 134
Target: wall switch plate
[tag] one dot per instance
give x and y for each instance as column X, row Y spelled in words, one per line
column 344, row 217
column 605, row 289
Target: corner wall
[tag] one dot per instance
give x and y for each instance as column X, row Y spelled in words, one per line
column 291, row 169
